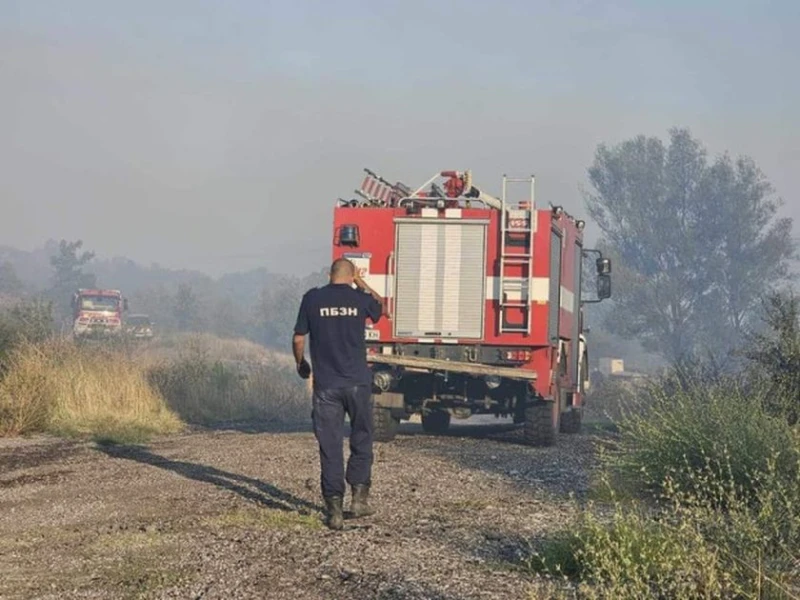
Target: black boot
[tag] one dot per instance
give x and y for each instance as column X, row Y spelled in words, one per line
column 335, row 516
column 360, row 507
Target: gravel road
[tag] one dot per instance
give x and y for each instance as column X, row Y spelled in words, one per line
column 236, row 513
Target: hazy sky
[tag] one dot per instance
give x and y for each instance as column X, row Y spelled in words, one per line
column 219, row 135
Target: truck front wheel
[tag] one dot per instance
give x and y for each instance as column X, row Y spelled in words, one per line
column 437, row 421
column 542, row 421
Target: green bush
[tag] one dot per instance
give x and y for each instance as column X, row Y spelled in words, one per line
column 718, row 513
column 636, row 553
column 676, row 430
column 776, row 355
column 683, row 547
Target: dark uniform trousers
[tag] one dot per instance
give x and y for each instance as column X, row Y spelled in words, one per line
column 329, row 408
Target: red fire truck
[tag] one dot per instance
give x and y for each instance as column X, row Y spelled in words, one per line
column 97, row 312
column 484, row 303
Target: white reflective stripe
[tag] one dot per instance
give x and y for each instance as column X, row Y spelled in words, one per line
column 452, row 213
column 451, row 286
column 425, row 340
column 540, row 289
column 567, row 299
column 492, row 288
column 429, row 242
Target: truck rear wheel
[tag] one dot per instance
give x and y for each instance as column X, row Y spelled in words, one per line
column 542, row 420
column 384, row 425
column 437, row 421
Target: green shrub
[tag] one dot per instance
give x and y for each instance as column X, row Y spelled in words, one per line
column 683, row 547
column 776, row 355
column 609, row 395
column 718, row 513
column 633, row 553
column 678, row 430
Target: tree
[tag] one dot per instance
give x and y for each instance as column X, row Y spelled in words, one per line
column 186, row 307
column 278, row 305
column 227, row 320
column 748, row 247
column 690, row 242
column 9, row 282
column 68, row 274
column 68, row 266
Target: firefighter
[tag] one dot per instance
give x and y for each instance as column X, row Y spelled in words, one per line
column 334, row 317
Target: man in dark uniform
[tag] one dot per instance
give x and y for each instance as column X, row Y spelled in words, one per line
column 334, row 316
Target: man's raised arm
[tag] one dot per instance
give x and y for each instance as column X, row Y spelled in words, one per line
column 361, row 284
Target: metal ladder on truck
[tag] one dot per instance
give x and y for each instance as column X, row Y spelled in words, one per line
column 517, row 228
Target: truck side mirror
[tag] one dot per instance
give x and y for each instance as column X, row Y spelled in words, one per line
column 603, row 286
column 603, row 266
column 125, row 304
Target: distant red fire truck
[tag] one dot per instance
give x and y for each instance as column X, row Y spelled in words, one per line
column 485, row 314
column 97, row 312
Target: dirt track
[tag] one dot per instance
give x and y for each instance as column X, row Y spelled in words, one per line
column 235, row 514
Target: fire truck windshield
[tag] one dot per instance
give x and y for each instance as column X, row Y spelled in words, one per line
column 105, row 303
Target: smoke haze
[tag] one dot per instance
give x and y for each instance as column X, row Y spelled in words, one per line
column 218, row 137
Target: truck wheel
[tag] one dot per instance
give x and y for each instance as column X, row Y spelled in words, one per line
column 437, row 421
column 384, row 425
column 571, row 420
column 541, row 423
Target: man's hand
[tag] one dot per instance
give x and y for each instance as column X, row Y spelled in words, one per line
column 298, row 349
column 304, row 369
column 358, row 281
column 362, row 285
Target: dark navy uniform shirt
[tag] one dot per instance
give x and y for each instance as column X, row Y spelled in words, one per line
column 334, row 318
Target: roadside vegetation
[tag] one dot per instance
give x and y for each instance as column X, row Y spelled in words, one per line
column 59, row 388
column 211, row 381
column 699, row 493
column 129, row 392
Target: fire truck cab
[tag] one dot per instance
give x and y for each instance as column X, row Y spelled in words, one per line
column 484, row 303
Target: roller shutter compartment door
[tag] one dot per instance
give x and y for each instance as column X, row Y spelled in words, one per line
column 440, row 280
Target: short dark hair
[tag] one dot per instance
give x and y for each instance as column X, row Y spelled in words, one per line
column 342, row 267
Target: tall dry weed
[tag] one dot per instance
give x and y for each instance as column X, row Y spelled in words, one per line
column 205, row 389
column 66, row 389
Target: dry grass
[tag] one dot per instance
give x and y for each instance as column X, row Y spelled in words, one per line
column 211, row 348
column 210, row 392
column 129, row 392
column 208, row 380
column 80, row 391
